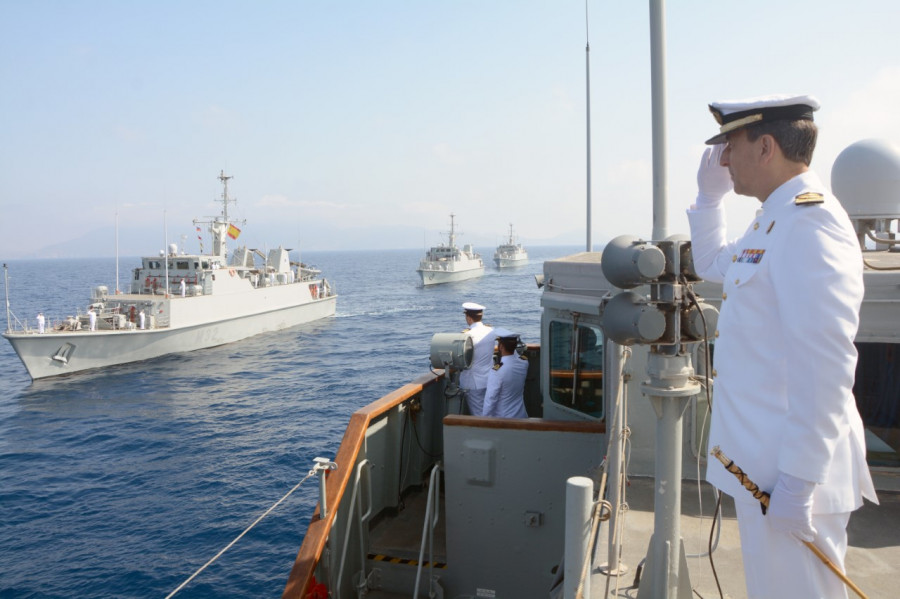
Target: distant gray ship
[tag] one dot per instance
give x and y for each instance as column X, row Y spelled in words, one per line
column 511, row 253
column 179, row 302
column 448, row 263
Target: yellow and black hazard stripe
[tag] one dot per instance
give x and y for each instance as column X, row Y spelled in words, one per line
column 409, row 562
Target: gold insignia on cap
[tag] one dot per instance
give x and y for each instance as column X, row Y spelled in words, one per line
column 737, row 124
column 809, row 197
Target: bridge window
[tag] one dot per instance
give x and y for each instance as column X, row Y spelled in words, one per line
column 576, row 367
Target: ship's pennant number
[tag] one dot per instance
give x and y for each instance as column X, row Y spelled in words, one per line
column 64, row 353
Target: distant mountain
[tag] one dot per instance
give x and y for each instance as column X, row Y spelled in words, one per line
column 133, row 241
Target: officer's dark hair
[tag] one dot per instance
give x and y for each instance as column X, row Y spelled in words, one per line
column 509, row 344
column 797, row 139
column 474, row 315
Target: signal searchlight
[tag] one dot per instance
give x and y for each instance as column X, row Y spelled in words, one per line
column 452, row 350
column 671, row 314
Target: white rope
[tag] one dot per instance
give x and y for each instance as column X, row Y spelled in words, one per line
column 246, row 530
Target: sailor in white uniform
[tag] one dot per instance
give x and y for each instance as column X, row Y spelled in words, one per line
column 40, row 322
column 92, row 316
column 474, row 379
column 783, row 406
column 504, row 397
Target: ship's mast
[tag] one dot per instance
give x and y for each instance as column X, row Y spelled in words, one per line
column 452, row 231
column 225, row 199
column 219, row 226
column 221, row 238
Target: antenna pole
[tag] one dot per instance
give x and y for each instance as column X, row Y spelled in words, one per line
column 6, row 285
column 117, row 251
column 587, row 54
column 166, row 249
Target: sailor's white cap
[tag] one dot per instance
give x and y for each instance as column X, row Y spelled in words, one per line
column 472, row 307
column 737, row 114
column 502, row 333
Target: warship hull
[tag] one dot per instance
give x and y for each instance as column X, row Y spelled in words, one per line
column 510, row 262
column 57, row 353
column 437, row 277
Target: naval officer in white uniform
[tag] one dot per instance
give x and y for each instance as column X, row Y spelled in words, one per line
column 783, row 407
column 474, row 379
column 505, row 394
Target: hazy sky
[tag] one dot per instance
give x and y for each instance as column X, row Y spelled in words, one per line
column 364, row 124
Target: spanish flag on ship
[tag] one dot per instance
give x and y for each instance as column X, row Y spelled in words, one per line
column 233, row 231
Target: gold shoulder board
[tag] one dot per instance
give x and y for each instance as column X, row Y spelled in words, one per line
column 811, row 197
column 522, row 357
column 497, row 366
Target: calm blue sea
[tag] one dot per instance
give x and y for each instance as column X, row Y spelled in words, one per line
column 122, row 482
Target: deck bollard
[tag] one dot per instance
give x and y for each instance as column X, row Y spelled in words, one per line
column 579, row 502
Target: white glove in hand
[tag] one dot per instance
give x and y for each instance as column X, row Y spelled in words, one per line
column 713, row 179
column 790, row 507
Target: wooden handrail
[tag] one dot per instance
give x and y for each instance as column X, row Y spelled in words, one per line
column 526, row 424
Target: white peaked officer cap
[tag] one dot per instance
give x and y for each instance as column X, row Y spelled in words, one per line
column 501, row 333
column 737, row 114
column 472, row 307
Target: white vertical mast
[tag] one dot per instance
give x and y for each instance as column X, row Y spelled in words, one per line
column 219, row 227
column 452, row 232
column 658, row 96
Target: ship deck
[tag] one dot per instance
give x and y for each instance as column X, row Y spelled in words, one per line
column 872, row 558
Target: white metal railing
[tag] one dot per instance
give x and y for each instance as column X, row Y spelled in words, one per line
column 432, row 513
column 360, row 520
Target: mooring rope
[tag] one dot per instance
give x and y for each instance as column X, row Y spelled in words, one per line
column 236, row 539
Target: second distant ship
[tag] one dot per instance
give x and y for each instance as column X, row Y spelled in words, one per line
column 511, row 253
column 448, row 263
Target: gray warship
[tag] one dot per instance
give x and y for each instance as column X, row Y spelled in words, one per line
column 178, row 302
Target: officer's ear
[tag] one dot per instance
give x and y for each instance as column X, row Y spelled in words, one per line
column 768, row 148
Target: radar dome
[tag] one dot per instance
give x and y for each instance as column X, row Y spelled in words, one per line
column 866, row 179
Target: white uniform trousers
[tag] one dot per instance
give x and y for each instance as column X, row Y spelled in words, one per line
column 778, row 566
column 475, row 398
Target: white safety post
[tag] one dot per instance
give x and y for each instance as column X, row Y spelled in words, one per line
column 321, row 467
column 579, row 501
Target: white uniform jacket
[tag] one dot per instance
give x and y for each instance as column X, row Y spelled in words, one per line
column 784, row 359
column 505, row 397
column 483, row 337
